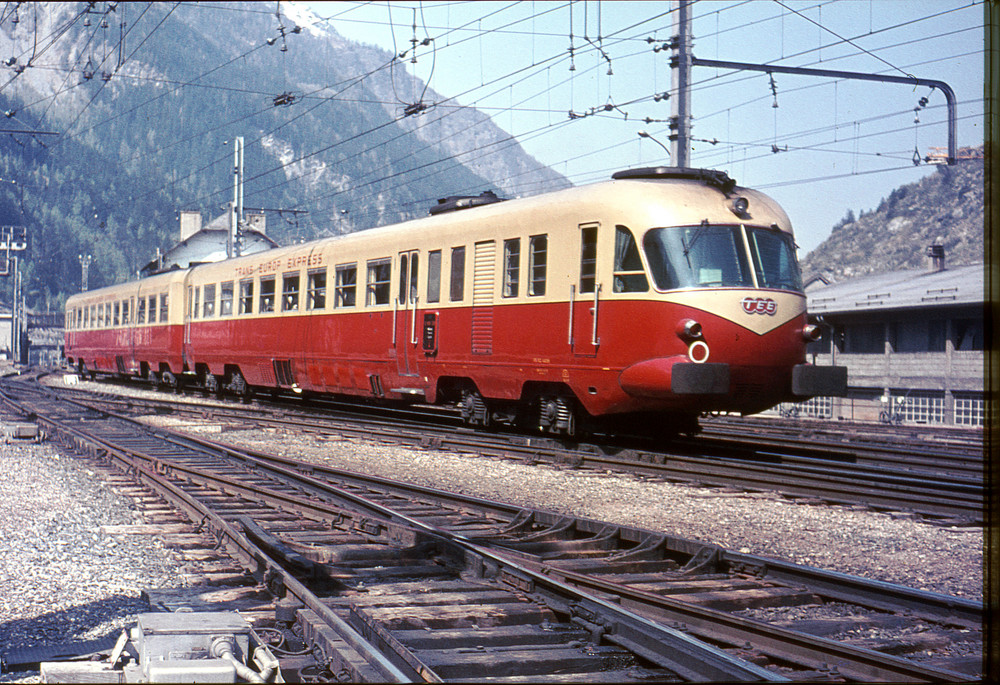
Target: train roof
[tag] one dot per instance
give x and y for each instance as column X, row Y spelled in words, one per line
column 637, row 198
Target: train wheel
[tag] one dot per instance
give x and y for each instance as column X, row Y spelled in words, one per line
column 557, row 415
column 168, row 381
column 474, row 409
column 241, row 388
column 211, row 386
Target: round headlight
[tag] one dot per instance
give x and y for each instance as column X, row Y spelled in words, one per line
column 739, row 206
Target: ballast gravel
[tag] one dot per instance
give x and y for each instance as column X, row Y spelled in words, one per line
column 62, row 579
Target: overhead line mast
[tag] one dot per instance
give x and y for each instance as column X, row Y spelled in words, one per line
column 682, row 60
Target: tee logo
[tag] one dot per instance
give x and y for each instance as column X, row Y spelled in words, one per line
column 759, row 305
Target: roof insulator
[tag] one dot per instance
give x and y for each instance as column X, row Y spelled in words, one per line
column 455, row 202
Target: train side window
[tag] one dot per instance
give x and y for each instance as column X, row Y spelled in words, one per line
column 434, row 276
column 404, row 270
column 345, row 289
column 588, row 259
column 140, row 314
column 317, row 289
column 164, row 307
column 379, row 281
column 266, row 294
column 414, row 261
column 457, row 293
column 209, row 307
column 511, row 266
column 246, row 296
column 290, row 292
column 86, row 317
column 152, row 309
column 538, row 247
column 629, row 276
column 194, row 305
column 226, row 298
column 126, row 310
column 117, row 314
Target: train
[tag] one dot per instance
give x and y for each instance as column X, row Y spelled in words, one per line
column 647, row 300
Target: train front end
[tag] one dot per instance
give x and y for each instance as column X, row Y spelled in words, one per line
column 725, row 326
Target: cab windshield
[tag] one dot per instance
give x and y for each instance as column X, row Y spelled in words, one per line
column 716, row 256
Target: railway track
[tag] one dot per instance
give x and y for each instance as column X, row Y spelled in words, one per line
column 422, row 577
column 943, row 486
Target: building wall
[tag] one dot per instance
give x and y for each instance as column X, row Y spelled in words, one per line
column 932, row 382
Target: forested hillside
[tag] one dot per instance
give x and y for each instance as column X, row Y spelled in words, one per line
column 130, row 131
column 946, row 206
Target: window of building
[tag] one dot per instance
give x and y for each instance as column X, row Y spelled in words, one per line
column 967, row 334
column 316, row 294
column 629, row 276
column 538, row 246
column 290, row 293
column 379, row 281
column 511, row 266
column 226, row 298
column 919, row 407
column 209, row 306
column 266, row 294
column 434, row 276
column 457, row 290
column 246, row 296
column 345, row 288
column 865, row 338
column 588, row 259
column 919, row 335
column 969, row 408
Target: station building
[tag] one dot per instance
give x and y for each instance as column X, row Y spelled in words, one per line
column 912, row 342
column 200, row 244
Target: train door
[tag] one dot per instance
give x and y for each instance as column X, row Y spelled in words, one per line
column 133, row 317
column 186, row 311
column 483, row 281
column 584, row 301
column 405, row 332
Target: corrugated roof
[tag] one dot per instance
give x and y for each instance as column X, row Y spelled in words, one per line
column 901, row 290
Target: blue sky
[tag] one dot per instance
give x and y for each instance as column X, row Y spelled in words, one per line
column 841, row 144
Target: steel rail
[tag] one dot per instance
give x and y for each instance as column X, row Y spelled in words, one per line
column 949, row 497
column 240, row 545
column 669, row 648
column 866, row 666
column 779, row 643
column 872, row 593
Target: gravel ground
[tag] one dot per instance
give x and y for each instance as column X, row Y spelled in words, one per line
column 61, row 578
column 886, row 547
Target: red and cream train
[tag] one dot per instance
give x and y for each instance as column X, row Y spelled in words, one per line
column 648, row 299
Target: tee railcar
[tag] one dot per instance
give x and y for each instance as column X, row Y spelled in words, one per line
column 654, row 297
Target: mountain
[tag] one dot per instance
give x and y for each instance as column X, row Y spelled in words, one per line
column 144, row 99
column 944, row 207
